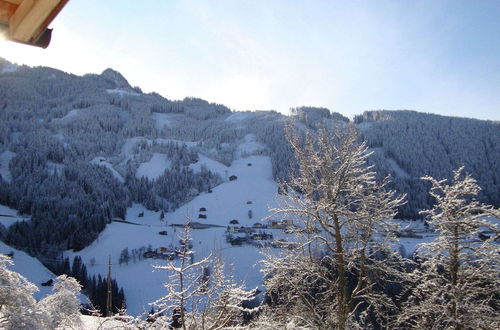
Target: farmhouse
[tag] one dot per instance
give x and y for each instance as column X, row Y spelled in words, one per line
column 280, row 224
column 161, row 249
column 237, row 240
column 149, row 254
column 261, row 236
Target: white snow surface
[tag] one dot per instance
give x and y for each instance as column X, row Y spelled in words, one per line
column 30, row 268
column 103, row 323
column 397, row 169
column 249, row 146
column 210, row 164
column 121, row 92
column 5, row 158
column 71, row 114
column 400, row 172
column 238, row 116
column 154, row 168
column 129, row 145
column 9, row 216
column 55, row 168
column 60, row 137
column 101, row 161
column 187, row 143
column 162, row 119
column 34, row 271
column 9, row 68
column 228, row 201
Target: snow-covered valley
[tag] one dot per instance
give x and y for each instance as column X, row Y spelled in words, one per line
column 253, row 192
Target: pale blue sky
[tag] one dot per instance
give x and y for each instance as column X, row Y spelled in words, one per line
column 349, row 56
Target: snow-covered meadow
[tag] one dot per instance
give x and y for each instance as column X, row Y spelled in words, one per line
column 227, row 201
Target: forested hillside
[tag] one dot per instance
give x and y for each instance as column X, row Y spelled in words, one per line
column 409, row 145
column 76, row 151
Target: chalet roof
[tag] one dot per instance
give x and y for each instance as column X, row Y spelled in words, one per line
column 26, row 21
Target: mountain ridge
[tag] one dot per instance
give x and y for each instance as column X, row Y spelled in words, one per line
column 60, row 128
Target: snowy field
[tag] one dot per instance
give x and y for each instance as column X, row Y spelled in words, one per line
column 121, row 92
column 130, row 144
column 212, row 165
column 187, row 143
column 9, row 216
column 239, row 116
column 249, row 146
column 162, row 119
column 30, row 268
column 153, row 168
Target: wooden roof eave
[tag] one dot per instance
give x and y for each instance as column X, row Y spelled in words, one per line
column 27, row 20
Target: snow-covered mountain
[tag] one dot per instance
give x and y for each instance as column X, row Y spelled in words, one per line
column 77, row 152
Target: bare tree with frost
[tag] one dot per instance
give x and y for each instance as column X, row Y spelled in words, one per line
column 330, row 281
column 458, row 283
column 19, row 310
column 221, row 303
column 199, row 293
column 17, row 305
column 62, row 308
